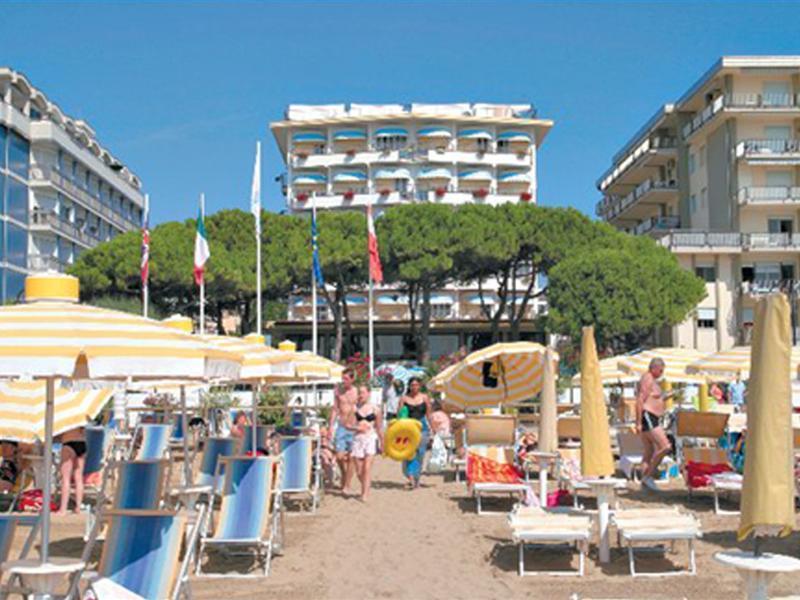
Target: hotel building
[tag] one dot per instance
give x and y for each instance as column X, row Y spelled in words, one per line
column 61, row 191
column 715, row 177
column 343, row 157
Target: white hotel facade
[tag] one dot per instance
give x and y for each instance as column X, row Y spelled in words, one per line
column 715, row 177
column 345, row 156
column 61, row 191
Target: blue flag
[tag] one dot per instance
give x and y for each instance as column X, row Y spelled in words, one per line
column 315, row 252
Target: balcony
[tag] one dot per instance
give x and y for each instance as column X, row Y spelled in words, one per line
column 742, row 102
column 769, row 195
column 43, row 220
column 771, row 241
column 612, row 206
column 657, row 224
column 42, row 262
column 66, row 186
column 654, row 146
column 702, row 240
column 303, row 202
column 769, row 151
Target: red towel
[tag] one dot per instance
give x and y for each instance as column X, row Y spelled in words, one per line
column 485, row 470
column 698, row 474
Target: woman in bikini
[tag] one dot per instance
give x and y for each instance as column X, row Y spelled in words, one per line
column 418, row 406
column 73, row 456
column 367, row 440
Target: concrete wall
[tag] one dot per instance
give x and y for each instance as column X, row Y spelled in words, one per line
column 718, row 160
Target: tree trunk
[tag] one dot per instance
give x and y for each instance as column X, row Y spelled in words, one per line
column 413, row 306
column 337, row 323
column 423, row 349
column 218, row 314
column 341, row 294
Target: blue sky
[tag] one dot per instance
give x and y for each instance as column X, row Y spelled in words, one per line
column 181, row 91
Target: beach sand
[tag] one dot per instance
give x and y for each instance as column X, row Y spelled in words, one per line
column 429, row 543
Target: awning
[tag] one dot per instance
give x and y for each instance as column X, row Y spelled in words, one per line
column 350, row 177
column 301, row 301
column 442, row 299
column 434, row 132
column 434, row 174
column 515, row 136
column 392, row 174
column 514, row 177
column 309, row 136
column 392, row 299
column 475, row 134
column 391, row 132
column 349, row 134
column 356, row 300
column 309, row 179
column 476, row 300
column 475, row 175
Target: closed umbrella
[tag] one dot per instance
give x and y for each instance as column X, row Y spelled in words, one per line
column 596, row 457
column 548, row 428
column 610, row 373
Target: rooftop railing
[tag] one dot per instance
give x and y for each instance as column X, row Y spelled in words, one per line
column 740, row 101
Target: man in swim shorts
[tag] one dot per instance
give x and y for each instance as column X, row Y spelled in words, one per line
column 649, row 412
column 343, row 417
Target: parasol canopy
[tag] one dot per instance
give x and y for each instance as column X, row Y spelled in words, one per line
column 676, row 362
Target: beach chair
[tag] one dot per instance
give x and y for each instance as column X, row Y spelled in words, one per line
column 535, row 527
column 699, row 463
column 99, row 441
column 9, row 525
column 300, row 468
column 631, row 453
column 248, row 514
column 262, row 438
column 215, row 448
column 656, row 525
column 141, row 556
column 154, row 441
column 568, row 429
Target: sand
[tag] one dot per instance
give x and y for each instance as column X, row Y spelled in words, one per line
column 429, row 543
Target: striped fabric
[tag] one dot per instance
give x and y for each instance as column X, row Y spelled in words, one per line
column 500, row 374
column 65, row 339
column 155, row 441
column 98, row 440
column 140, row 484
column 22, row 406
column 727, row 363
column 610, row 374
column 215, row 448
column 297, row 454
column 677, row 361
column 708, row 456
column 141, row 552
column 246, row 506
column 261, row 438
column 176, row 432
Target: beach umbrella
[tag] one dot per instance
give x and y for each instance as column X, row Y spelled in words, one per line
column 677, row 361
column 726, row 364
column 610, row 373
column 499, row 374
column 768, row 491
column 596, row 457
column 436, row 383
column 548, row 427
column 23, row 404
column 52, row 336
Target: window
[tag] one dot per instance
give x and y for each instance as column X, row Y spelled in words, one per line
column 707, row 273
column 706, row 318
column 787, row 272
column 779, row 225
column 18, row 154
column 503, row 146
column 776, row 93
column 60, row 160
column 692, row 165
column 3, row 136
column 692, row 204
column 777, row 132
column 17, row 245
column 702, row 156
column 703, row 198
column 385, row 143
column 779, row 178
column 17, row 200
column 766, row 276
column 15, row 284
column 747, row 316
column 442, row 344
column 441, row 310
column 482, row 145
column 74, row 171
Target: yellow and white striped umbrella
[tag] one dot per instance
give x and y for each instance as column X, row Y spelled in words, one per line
column 22, row 406
column 676, row 360
column 610, row 373
column 727, row 363
column 500, row 374
column 436, row 383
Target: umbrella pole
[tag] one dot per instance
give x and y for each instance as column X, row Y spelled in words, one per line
column 187, row 469
column 256, row 390
column 48, row 466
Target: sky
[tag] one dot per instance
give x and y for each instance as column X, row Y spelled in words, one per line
column 181, row 91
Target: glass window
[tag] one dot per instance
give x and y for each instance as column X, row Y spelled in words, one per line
column 18, row 154
column 747, row 316
column 74, row 171
column 16, row 245
column 706, row 318
column 777, row 93
column 3, row 136
column 17, row 200
column 777, row 132
column 15, row 285
column 779, row 225
column 779, row 178
column 60, row 160
column 441, row 311
column 443, row 344
column 691, row 163
column 706, row 273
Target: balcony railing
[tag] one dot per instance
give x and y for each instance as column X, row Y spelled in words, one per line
column 771, row 240
column 769, row 195
column 701, row 239
column 769, row 147
column 54, row 221
column 42, row 262
column 657, row 224
column 613, row 205
column 740, row 101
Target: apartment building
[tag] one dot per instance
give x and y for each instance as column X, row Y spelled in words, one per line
column 62, row 192
column 345, row 156
column 715, row 177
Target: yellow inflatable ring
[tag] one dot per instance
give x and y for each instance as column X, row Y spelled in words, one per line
column 402, row 439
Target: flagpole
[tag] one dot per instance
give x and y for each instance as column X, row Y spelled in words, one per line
column 203, row 280
column 146, row 282
column 314, row 347
column 370, row 315
column 257, row 215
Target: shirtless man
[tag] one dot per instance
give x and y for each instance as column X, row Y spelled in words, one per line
column 649, row 411
column 344, row 416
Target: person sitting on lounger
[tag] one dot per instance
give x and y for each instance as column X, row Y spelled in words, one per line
column 239, row 423
column 9, row 467
column 649, row 412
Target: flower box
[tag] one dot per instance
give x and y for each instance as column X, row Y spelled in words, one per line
column 440, row 192
column 301, row 155
column 385, row 192
column 526, row 196
column 481, row 193
column 301, row 197
column 351, row 152
column 349, row 194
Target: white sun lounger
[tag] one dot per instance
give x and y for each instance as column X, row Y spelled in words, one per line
column 657, row 525
column 535, row 526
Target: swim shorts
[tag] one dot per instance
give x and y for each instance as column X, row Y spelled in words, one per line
column 343, row 441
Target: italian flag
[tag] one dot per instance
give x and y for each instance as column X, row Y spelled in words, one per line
column 201, row 251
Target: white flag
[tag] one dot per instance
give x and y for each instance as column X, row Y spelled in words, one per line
column 255, row 191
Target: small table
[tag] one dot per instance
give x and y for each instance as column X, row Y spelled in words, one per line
column 725, row 482
column 543, row 459
column 43, row 578
column 604, row 489
column 757, row 571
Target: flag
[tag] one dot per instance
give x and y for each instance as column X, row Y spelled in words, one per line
column 201, row 251
column 318, row 279
column 255, row 191
column 375, row 269
column 145, row 266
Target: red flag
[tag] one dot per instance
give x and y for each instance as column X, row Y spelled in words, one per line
column 375, row 269
column 145, row 264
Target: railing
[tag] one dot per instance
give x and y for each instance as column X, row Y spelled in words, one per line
column 613, row 205
column 769, row 194
column 53, row 220
column 42, row 262
column 701, row 239
column 740, row 101
column 657, row 223
column 772, row 240
column 67, row 186
column 704, row 116
column 767, row 147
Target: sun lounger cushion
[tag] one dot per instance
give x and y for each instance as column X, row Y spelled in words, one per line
column 492, row 465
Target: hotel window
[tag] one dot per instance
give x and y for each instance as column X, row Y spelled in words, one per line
column 18, row 154
column 779, row 225
column 441, row 310
column 703, row 198
column 60, row 160
column 3, row 136
column 391, row 142
column 482, row 145
column 776, row 93
column 707, row 273
column 777, row 132
column 692, row 166
column 706, row 318
column 503, row 146
column 747, row 317
column 692, row 204
column 17, row 200
column 74, row 171
column 17, row 245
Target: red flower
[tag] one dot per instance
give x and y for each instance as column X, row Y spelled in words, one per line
column 526, row 196
column 440, row 191
column 301, row 154
column 351, row 152
column 480, row 193
column 348, row 195
column 301, row 197
column 385, row 192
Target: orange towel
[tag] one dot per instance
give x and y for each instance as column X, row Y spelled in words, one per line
column 481, row 469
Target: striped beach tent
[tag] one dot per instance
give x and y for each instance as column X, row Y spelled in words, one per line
column 676, row 362
column 22, row 406
column 727, row 363
column 499, row 374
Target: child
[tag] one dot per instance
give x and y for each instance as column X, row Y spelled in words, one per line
column 327, row 457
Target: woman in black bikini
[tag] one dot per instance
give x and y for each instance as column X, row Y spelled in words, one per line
column 73, row 456
column 418, row 406
column 367, row 440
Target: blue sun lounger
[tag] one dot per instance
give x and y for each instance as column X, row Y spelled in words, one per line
column 247, row 441
column 98, row 445
column 215, row 448
column 248, row 511
column 9, row 523
column 154, row 440
column 301, row 475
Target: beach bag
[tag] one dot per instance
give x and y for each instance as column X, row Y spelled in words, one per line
column 559, row 497
column 31, row 501
column 438, row 459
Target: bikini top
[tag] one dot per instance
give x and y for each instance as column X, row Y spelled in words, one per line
column 370, row 417
column 417, row 411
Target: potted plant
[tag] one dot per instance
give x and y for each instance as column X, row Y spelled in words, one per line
column 385, row 192
column 351, row 152
column 301, row 154
column 526, row 196
column 440, row 191
column 349, row 194
column 481, row 193
column 301, row 197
